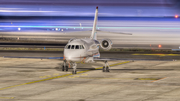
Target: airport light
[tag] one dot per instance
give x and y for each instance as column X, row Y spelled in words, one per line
column 176, row 16
column 159, row 46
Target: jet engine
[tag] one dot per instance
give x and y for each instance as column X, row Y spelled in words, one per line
column 106, row 44
column 72, row 39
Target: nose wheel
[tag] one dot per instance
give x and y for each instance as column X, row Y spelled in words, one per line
column 74, row 68
column 106, row 67
column 65, row 67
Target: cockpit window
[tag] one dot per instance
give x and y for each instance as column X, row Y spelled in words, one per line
column 77, row 47
column 69, row 46
column 82, row 47
column 72, row 47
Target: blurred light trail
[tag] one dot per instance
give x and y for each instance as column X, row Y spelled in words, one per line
column 28, row 11
column 67, row 27
column 118, row 8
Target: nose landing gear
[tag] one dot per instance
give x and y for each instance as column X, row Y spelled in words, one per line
column 65, row 66
column 74, row 67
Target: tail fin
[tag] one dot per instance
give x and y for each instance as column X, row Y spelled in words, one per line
column 93, row 34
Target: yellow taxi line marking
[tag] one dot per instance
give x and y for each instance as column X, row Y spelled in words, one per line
column 158, row 79
column 84, row 74
column 107, row 78
column 6, row 97
column 55, row 77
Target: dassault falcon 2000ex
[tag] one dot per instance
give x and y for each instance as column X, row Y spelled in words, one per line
column 83, row 50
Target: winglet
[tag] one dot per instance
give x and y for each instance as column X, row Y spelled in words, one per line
column 93, row 34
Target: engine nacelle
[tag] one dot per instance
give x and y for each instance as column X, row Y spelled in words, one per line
column 106, row 44
column 71, row 39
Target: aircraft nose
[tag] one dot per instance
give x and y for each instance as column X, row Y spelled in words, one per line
column 72, row 55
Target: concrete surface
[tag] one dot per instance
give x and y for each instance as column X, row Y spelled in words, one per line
column 42, row 80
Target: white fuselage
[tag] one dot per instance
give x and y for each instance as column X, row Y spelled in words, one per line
column 81, row 50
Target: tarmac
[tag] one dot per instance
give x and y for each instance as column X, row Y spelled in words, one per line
column 43, row 80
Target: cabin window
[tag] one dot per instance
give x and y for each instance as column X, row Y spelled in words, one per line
column 69, row 46
column 72, row 47
column 77, row 47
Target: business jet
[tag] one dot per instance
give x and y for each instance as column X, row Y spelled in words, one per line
column 83, row 50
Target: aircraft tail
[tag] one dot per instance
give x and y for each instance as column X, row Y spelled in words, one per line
column 93, row 34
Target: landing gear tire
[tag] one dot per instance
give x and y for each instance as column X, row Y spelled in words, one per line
column 62, row 68
column 66, row 68
column 74, row 72
column 107, row 69
column 103, row 70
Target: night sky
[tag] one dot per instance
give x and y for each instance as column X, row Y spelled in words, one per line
column 107, row 8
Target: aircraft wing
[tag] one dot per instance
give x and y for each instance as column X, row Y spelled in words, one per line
column 115, row 59
column 114, row 32
column 61, row 58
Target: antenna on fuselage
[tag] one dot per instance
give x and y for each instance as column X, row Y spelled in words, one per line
column 93, row 34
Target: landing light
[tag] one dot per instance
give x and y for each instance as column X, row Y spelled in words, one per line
column 19, row 29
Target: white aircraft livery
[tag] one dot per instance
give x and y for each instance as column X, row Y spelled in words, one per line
column 84, row 50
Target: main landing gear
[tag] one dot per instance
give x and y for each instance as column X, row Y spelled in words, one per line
column 106, row 67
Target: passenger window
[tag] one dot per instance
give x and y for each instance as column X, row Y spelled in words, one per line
column 69, row 46
column 77, row 47
column 72, row 47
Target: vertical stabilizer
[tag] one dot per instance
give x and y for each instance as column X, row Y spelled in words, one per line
column 93, row 34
